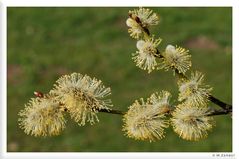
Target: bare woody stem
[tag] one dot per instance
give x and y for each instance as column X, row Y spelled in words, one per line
column 219, row 112
column 112, row 111
column 223, row 105
column 213, row 113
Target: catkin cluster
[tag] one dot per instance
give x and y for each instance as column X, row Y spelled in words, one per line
column 79, row 95
column 189, row 118
column 83, row 97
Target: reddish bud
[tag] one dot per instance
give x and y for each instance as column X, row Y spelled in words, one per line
column 38, row 94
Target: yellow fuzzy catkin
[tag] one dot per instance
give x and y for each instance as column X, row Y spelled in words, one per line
column 140, row 18
column 193, row 90
column 176, row 58
column 147, row 120
column 191, row 122
column 135, row 30
column 145, row 56
column 146, row 16
column 42, row 117
column 82, row 96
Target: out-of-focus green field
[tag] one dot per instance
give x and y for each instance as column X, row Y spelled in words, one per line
column 45, row 43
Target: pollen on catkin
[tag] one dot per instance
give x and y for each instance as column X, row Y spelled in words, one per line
column 193, row 90
column 176, row 58
column 191, row 122
column 145, row 56
column 140, row 18
column 82, row 96
column 42, row 117
column 147, row 120
column 146, row 16
column 135, row 30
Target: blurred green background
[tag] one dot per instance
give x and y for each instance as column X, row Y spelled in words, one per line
column 45, row 43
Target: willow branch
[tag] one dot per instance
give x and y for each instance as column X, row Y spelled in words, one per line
column 112, row 111
column 213, row 99
column 220, row 112
column 213, row 113
column 223, row 105
column 119, row 112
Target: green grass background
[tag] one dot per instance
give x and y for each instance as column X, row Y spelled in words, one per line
column 45, row 43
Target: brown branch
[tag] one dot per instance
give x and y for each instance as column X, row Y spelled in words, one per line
column 223, row 105
column 213, row 113
column 227, row 110
column 220, row 112
column 112, row 111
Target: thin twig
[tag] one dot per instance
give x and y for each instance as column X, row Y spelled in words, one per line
column 213, row 113
column 112, row 111
column 223, row 105
column 220, row 112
